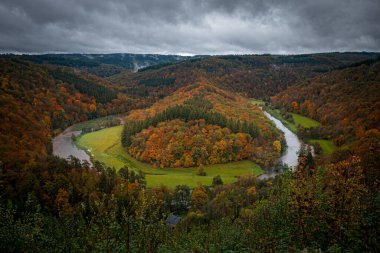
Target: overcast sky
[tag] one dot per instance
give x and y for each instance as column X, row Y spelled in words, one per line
column 189, row 26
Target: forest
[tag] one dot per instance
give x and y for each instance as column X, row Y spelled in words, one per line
column 179, row 144
column 191, row 113
column 258, row 76
column 203, row 101
column 61, row 206
column 346, row 102
column 192, row 109
column 36, row 105
column 102, row 65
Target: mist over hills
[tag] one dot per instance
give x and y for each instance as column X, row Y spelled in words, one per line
column 102, row 64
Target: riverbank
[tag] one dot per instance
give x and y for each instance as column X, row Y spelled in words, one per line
column 290, row 156
column 64, row 146
column 326, row 145
column 104, row 145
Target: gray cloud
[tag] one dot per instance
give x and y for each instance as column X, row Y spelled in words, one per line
column 189, row 26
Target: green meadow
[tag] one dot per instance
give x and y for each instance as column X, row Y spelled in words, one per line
column 105, row 146
column 327, row 145
column 304, row 121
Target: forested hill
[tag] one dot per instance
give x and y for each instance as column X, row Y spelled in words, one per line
column 37, row 101
column 102, row 64
column 258, row 76
column 201, row 124
column 347, row 103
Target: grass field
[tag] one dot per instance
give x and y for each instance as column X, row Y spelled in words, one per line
column 105, row 146
column 304, row 121
column 327, row 145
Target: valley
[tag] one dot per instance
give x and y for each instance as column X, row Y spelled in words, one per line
column 200, row 126
column 105, row 146
column 97, row 157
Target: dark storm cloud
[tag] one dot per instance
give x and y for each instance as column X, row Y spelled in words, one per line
column 191, row 26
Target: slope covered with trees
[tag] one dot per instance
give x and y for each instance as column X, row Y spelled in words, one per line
column 347, row 104
column 102, row 64
column 64, row 206
column 225, row 118
column 258, row 76
column 195, row 143
column 39, row 101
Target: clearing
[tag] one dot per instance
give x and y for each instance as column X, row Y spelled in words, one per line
column 304, row 121
column 327, row 145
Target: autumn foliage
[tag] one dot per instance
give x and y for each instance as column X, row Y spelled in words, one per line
column 35, row 106
column 259, row 76
column 179, row 144
column 214, row 126
column 52, row 204
column 346, row 102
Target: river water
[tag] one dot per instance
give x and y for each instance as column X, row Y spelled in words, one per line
column 64, row 146
column 290, row 157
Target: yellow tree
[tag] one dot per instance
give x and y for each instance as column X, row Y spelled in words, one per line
column 277, row 146
column 198, row 197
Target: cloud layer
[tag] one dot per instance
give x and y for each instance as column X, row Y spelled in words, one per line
column 189, row 26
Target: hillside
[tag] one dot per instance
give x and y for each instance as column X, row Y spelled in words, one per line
column 201, row 124
column 258, row 76
column 347, row 103
column 102, row 65
column 37, row 102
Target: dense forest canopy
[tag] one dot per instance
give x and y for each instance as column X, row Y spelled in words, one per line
column 37, row 102
column 179, row 144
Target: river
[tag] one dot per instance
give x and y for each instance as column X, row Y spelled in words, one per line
column 64, row 146
column 290, row 157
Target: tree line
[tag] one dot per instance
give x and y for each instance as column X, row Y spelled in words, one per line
column 100, row 93
column 193, row 109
